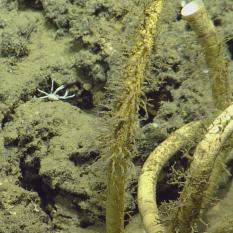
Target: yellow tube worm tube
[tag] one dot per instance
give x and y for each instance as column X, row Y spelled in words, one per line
column 196, row 15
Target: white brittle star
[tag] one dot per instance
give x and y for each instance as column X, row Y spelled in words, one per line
column 53, row 94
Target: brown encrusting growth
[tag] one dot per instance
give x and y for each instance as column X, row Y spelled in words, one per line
column 125, row 113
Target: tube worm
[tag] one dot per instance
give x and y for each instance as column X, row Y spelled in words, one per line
column 125, row 116
column 196, row 15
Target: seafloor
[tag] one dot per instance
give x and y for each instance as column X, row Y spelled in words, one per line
column 51, row 180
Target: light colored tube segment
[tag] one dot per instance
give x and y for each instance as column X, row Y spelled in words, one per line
column 201, row 168
column 195, row 14
column 182, row 138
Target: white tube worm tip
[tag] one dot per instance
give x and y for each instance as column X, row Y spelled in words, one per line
column 191, row 8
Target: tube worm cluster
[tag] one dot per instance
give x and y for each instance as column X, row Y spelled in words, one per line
column 202, row 176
